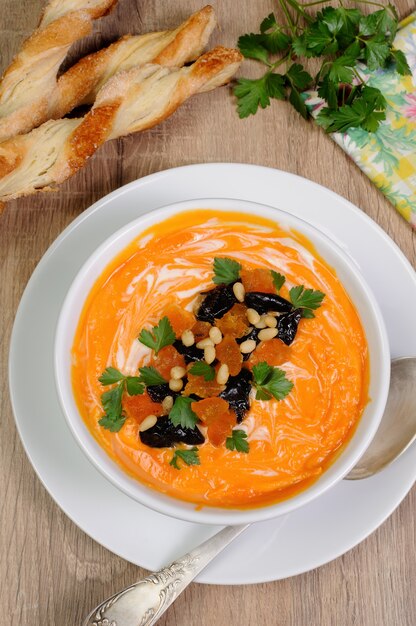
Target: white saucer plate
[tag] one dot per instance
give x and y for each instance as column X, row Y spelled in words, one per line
column 289, row 545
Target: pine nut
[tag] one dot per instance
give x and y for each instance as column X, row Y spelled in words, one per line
column 204, row 343
column 239, row 291
column 188, row 338
column 248, row 346
column 223, row 374
column 177, row 372
column 215, row 335
column 167, row 404
column 175, row 384
column 270, row 321
column 267, row 333
column 252, row 316
column 209, row 354
column 147, row 423
column 261, row 323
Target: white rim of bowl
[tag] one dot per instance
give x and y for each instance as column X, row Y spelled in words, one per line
column 169, row 505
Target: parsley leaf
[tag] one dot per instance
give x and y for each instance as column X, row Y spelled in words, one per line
column 318, row 40
column 251, row 46
column 270, row 382
column 376, row 52
column 160, row 336
column 298, row 102
column 181, row 414
column 298, row 76
column 112, row 425
column 366, row 111
column 275, row 86
column 200, row 368
column 134, row 385
column 379, row 23
column 327, row 90
column 278, row 279
column 238, row 441
column 251, row 93
column 110, row 375
column 150, row 376
column 402, row 65
column 306, row 299
column 226, row 271
column 189, row 457
column 113, row 419
column 341, row 70
column 274, row 37
column 332, row 18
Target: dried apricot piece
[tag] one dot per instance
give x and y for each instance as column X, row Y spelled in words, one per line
column 274, row 352
column 215, row 414
column 209, row 409
column 221, row 429
column 257, row 280
column 179, row 318
column 234, row 322
column 228, row 352
column 203, row 388
column 200, row 330
column 167, row 358
column 139, row 407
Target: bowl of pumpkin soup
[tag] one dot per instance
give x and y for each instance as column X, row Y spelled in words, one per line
column 221, row 361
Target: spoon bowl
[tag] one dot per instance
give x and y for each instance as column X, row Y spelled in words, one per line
column 397, row 429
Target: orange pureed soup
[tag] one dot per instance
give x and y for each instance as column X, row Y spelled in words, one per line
column 292, row 441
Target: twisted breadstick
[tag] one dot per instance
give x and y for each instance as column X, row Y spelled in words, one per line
column 172, row 48
column 29, row 82
column 131, row 101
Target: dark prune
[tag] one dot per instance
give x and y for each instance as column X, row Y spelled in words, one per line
column 216, row 303
column 237, row 391
column 287, row 326
column 252, row 334
column 158, row 393
column 164, row 434
column 264, row 302
column 190, row 353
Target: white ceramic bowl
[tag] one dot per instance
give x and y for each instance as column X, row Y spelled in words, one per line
column 356, row 287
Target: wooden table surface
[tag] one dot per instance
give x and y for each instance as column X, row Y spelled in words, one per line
column 52, row 573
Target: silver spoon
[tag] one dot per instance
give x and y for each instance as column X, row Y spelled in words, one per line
column 143, row 603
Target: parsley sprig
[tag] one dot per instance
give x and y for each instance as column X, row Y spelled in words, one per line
column 114, row 418
column 278, row 279
column 189, row 457
column 150, row 376
column 181, row 414
column 270, row 382
column 200, row 368
column 160, row 336
column 306, row 299
column 341, row 38
column 238, row 441
column 226, row 271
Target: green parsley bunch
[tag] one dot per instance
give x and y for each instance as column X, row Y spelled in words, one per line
column 340, row 37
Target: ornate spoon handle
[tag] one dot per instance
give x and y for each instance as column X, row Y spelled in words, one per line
column 143, row 603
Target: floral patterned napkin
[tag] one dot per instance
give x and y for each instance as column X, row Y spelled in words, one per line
column 388, row 156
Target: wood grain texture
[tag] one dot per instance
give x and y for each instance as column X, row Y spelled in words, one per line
column 51, row 573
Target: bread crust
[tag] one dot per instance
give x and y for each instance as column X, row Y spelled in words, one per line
column 52, row 97
column 81, row 83
column 29, row 81
column 131, row 101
